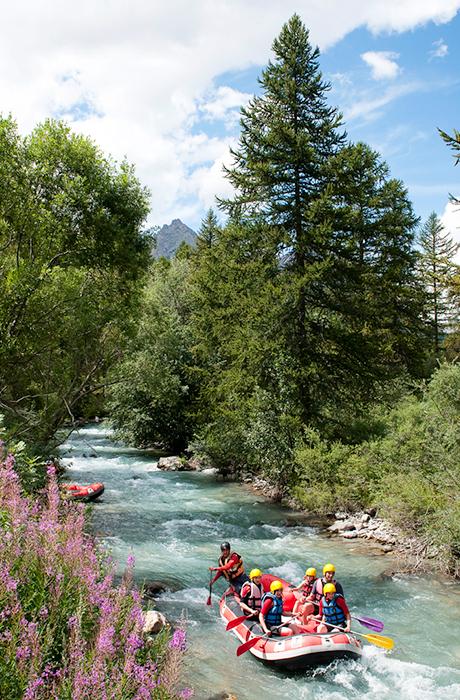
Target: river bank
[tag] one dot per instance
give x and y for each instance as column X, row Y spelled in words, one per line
column 408, row 554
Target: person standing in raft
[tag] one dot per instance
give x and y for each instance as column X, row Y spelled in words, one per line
column 251, row 595
column 328, row 577
column 333, row 610
column 303, row 605
column 230, row 566
column 272, row 610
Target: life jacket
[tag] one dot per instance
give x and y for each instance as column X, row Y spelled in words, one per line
column 318, row 588
column 253, row 597
column 235, row 570
column 307, row 588
column 333, row 614
column 273, row 617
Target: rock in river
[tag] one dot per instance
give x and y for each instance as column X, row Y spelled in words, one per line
column 154, row 622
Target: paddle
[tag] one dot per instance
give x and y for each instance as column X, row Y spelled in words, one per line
column 209, row 601
column 377, row 639
column 374, row 625
column 252, row 642
column 234, row 623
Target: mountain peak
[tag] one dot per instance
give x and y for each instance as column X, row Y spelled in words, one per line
column 169, row 238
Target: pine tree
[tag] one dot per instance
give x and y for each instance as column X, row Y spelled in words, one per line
column 437, row 269
column 371, row 322
column 287, row 135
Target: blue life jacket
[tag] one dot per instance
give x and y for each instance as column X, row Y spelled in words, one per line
column 273, row 617
column 331, row 611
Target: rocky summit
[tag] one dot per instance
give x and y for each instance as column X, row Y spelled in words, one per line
column 169, row 238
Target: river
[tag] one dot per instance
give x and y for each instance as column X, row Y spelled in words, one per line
column 173, row 523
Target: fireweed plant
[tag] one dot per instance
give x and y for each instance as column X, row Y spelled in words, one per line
column 66, row 631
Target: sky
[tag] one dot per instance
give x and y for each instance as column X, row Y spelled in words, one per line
column 161, row 84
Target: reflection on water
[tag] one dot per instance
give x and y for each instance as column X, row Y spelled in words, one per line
column 173, row 524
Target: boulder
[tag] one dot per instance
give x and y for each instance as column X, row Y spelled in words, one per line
column 365, row 518
column 197, row 464
column 342, row 526
column 154, row 622
column 350, row 535
column 340, row 516
column 152, row 589
column 172, row 464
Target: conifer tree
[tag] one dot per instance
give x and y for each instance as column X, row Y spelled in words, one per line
column 437, row 269
column 287, row 135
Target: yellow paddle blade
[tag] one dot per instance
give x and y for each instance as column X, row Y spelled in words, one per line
column 379, row 640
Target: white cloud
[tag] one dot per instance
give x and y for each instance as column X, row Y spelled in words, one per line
column 368, row 107
column 451, row 221
column 382, row 64
column 138, row 76
column 440, row 49
column 222, row 101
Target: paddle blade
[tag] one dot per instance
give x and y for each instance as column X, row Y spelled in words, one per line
column 209, row 601
column 247, row 645
column 379, row 640
column 234, row 623
column 370, row 623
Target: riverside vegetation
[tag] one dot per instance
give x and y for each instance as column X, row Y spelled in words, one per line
column 313, row 338
column 66, row 631
column 73, row 261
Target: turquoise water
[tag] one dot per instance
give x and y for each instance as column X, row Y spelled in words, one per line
column 173, row 524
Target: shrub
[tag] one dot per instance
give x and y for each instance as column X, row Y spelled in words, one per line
column 66, row 632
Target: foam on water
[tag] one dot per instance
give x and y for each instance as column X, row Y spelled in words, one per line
column 173, row 524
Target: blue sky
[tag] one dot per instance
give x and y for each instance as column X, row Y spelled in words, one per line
column 397, row 113
column 161, row 84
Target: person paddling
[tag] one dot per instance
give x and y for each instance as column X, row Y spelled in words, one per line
column 231, row 566
column 328, row 577
column 251, row 595
column 333, row 610
column 272, row 610
column 303, row 605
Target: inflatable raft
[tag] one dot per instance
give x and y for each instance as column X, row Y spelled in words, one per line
column 301, row 651
column 76, row 492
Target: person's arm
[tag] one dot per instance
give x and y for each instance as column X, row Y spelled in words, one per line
column 231, row 562
column 344, row 607
column 299, row 587
column 266, row 607
column 217, row 576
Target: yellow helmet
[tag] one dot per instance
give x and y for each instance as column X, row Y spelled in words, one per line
column 329, row 588
column 254, row 573
column 311, row 571
column 328, row 567
column 276, row 586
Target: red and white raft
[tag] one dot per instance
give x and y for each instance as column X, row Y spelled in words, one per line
column 301, row 651
column 76, row 492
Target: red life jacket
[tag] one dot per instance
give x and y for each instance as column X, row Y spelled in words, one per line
column 235, row 570
column 307, row 588
column 252, row 595
column 318, row 588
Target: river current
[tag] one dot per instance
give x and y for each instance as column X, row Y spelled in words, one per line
column 173, row 523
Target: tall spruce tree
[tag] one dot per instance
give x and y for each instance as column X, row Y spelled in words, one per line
column 375, row 322
column 437, row 270
column 287, row 136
